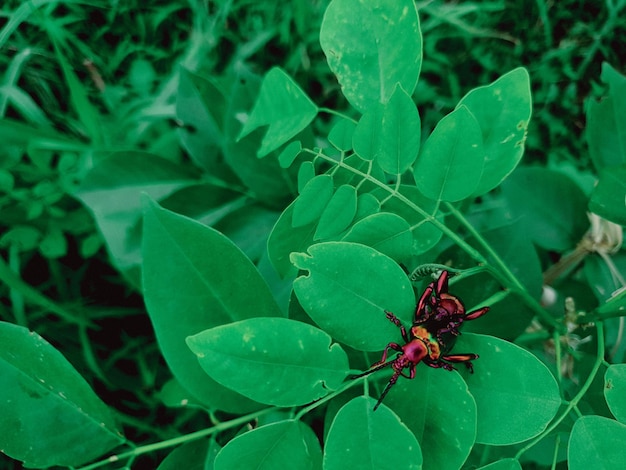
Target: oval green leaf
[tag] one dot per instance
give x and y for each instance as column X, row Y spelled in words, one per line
column 451, row 162
column 364, row 439
column 386, row 232
column 312, row 201
column 281, row 105
column 341, row 134
column 390, row 133
column 440, row 411
column 596, row 442
column 276, row 361
column 347, row 290
column 48, row 413
column 287, row 444
column 615, row 390
column 338, row 213
column 516, row 395
column 503, row 111
column 370, row 46
column 208, row 282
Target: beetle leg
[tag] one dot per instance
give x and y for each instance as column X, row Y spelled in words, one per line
column 421, row 315
column 393, row 319
column 476, row 313
column 442, row 283
column 464, row 358
column 395, row 347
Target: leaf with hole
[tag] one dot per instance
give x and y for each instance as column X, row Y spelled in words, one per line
column 347, row 290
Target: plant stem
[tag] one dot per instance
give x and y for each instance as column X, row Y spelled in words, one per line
column 574, row 403
column 137, row 451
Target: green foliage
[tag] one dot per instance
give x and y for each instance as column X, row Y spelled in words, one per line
column 269, row 182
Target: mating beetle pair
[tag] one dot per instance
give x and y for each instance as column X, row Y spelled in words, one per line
column 438, row 317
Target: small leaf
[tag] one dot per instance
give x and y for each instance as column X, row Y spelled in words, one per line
column 338, row 213
column 386, row 232
column 208, row 282
column 289, row 153
column 511, row 408
column 285, row 239
column 451, row 162
column 281, row 105
column 286, row 444
column 608, row 199
column 275, row 361
column 390, row 133
column 370, row 440
column 190, row 456
column 341, row 134
column 596, row 442
column 424, row 404
column 615, row 390
column 306, row 173
column 370, row 46
column 312, row 201
column 48, row 413
column 503, row 111
column 350, row 284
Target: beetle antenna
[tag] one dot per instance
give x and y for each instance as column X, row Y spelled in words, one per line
column 374, row 369
column 390, row 384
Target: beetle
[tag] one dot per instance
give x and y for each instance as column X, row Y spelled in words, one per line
column 437, row 319
column 441, row 312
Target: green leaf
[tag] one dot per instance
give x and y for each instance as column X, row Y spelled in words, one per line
column 608, row 199
column 284, row 239
column 451, row 162
column 503, row 111
column 370, row 440
column 201, row 106
column 341, row 134
column 338, row 213
column 208, row 282
column 445, row 432
column 615, row 390
column 348, row 289
column 606, row 123
column 190, row 456
column 286, row 444
column 371, row 46
column 425, row 234
column 289, row 153
column 281, row 105
column 386, row 232
column 275, row 361
column 596, row 442
column 112, row 189
column 504, row 464
column 502, row 390
column 312, row 201
column 306, row 173
column 553, row 213
column 390, row 133
column 48, row 413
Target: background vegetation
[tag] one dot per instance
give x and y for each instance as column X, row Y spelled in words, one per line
column 101, row 100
